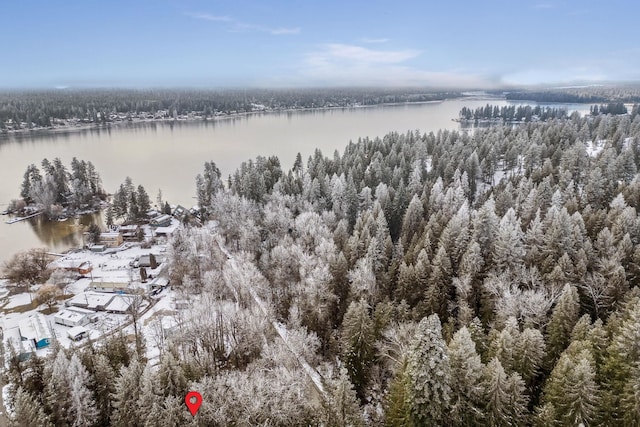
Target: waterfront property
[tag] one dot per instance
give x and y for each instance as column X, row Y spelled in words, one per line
column 112, row 239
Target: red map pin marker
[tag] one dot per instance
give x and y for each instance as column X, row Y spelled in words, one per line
column 193, row 399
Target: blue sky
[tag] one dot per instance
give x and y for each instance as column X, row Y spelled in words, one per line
column 264, row 43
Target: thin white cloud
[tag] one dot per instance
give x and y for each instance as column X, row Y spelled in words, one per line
column 209, row 17
column 373, row 41
column 235, row 26
column 343, row 64
column 358, row 54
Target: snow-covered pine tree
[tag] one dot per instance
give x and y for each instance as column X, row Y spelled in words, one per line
column 504, row 396
column 357, row 341
column 27, row 411
column 563, row 319
column 466, row 380
column 572, row 390
column 429, row 374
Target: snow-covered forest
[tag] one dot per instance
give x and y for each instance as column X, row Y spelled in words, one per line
column 485, row 278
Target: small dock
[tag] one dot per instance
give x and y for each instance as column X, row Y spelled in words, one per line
column 21, row 218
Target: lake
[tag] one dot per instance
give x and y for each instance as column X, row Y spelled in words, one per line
column 168, row 155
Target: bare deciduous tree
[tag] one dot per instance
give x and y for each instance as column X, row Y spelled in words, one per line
column 27, row 268
column 48, row 294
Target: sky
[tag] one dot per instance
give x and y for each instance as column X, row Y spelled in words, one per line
column 267, row 43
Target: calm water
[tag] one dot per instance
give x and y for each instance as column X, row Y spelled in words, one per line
column 168, row 156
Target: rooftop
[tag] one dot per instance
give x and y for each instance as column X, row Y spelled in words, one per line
column 34, row 327
column 77, row 330
column 114, row 285
column 92, row 300
column 71, row 315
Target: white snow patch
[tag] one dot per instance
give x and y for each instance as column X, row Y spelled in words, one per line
column 594, row 148
column 5, row 398
column 18, row 299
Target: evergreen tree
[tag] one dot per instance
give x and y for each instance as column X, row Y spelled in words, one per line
column 134, row 209
column 144, row 203
column 58, row 391
column 529, row 353
column 437, row 294
column 485, row 229
column 563, row 319
column 397, row 405
column 429, row 375
column 466, row 380
column 103, row 388
column 82, row 410
column 109, row 216
column 412, row 221
column 120, row 202
column 27, row 411
column 509, row 247
column 358, row 339
column 342, row 408
column 572, row 389
column 630, row 400
column 505, row 401
column 172, row 381
column 149, row 405
column 126, row 395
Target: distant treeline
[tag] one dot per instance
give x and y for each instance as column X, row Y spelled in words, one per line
column 512, row 113
column 590, row 94
column 528, row 113
column 40, row 108
column 611, row 108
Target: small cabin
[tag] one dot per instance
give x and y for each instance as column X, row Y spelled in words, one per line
column 77, row 333
column 80, row 267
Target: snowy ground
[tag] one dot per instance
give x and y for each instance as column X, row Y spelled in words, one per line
column 594, row 148
column 18, row 300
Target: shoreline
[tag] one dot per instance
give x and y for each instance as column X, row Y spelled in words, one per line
column 25, row 133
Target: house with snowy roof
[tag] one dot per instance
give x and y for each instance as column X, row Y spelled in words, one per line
column 35, row 329
column 73, row 317
column 113, row 286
